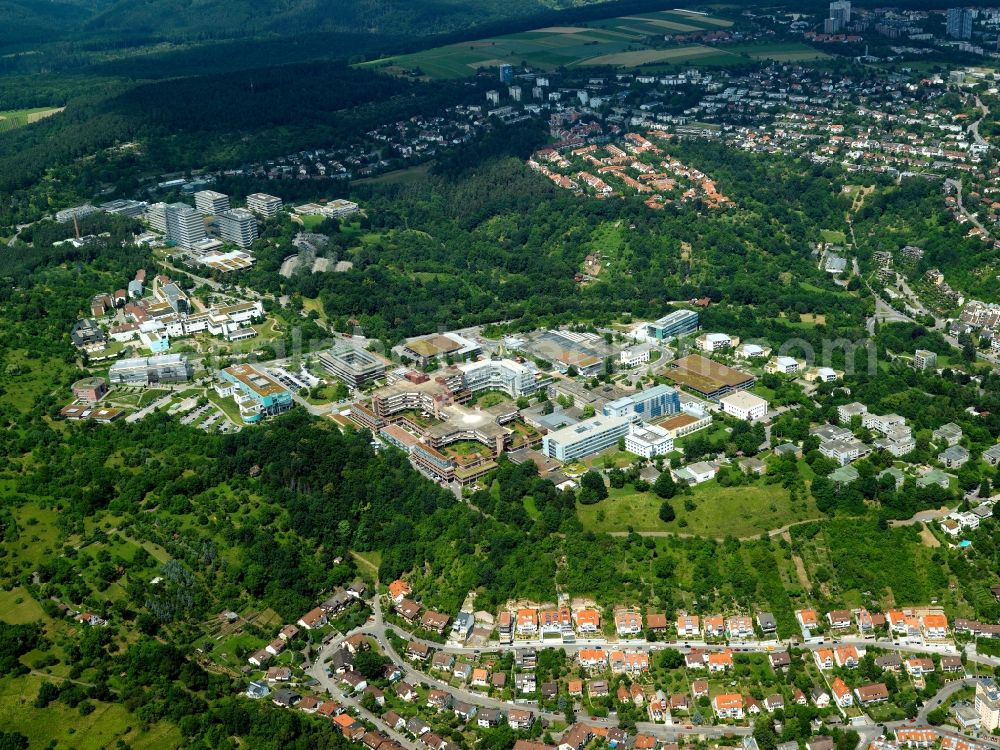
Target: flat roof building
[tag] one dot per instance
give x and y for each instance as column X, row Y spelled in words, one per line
column 743, row 405
column 168, row 368
column 708, row 378
column 352, row 365
column 257, row 394
column 513, row 378
column 585, row 438
column 180, row 223
column 658, row 401
column 237, row 226
column 210, row 202
column 264, row 205
column 677, row 323
column 648, row 440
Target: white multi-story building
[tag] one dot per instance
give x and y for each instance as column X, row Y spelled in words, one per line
column 210, row 202
column 264, row 205
column 585, row 438
column 513, row 378
column 847, row 411
column 634, row 356
column 743, row 405
column 648, row 441
column 881, row 423
column 237, row 226
column 782, row 366
column 713, row 342
column 180, row 223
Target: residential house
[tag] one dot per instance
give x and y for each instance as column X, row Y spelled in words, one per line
column 864, row 621
column 820, row 697
column 408, row 609
column 275, row 647
column 314, row 618
column 658, row 707
column 405, row 691
column 464, row 711
column 774, row 702
column 588, row 620
column 953, row 457
column 438, row 699
column 628, row 623
column 889, row 662
column 699, row 688
column 525, row 683
column 434, row 621
column 417, row 726
column 687, row 625
column 417, row 651
column 656, row 622
column 839, row 619
column 824, row 658
column 393, row 720
column 779, row 660
column 874, row 693
column 952, row 664
column 442, row 661
column 597, row 688
column 934, row 626
column 679, row 702
column 520, row 718
column 576, row 737
column 488, row 718
column 766, row 622
column 842, row 693
column 715, row 626
column 728, row 706
column 807, row 618
column 278, row 674
column 846, row 657
column 590, row 658
column 527, row 621
column 739, row 627
column 399, row 590
column 480, row 677
column 259, row 658
column 309, row 704
column 288, row 632
column 919, row 666
column 285, row 698
column 720, row 661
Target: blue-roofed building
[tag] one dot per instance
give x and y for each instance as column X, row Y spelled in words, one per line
column 658, row 401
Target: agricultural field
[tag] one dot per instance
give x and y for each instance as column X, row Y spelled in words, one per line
column 18, row 118
column 622, row 42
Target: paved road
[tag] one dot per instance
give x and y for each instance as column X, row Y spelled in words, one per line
column 974, row 127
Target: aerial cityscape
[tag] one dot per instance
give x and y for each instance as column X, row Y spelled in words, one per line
column 540, row 375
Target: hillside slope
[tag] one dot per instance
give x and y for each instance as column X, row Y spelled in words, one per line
column 227, row 18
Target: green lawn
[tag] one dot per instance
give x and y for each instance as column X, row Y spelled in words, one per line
column 18, row 118
column 65, row 727
column 720, row 511
column 19, row 608
column 833, row 236
column 611, row 41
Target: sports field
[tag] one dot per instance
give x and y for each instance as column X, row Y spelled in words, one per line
column 620, row 42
